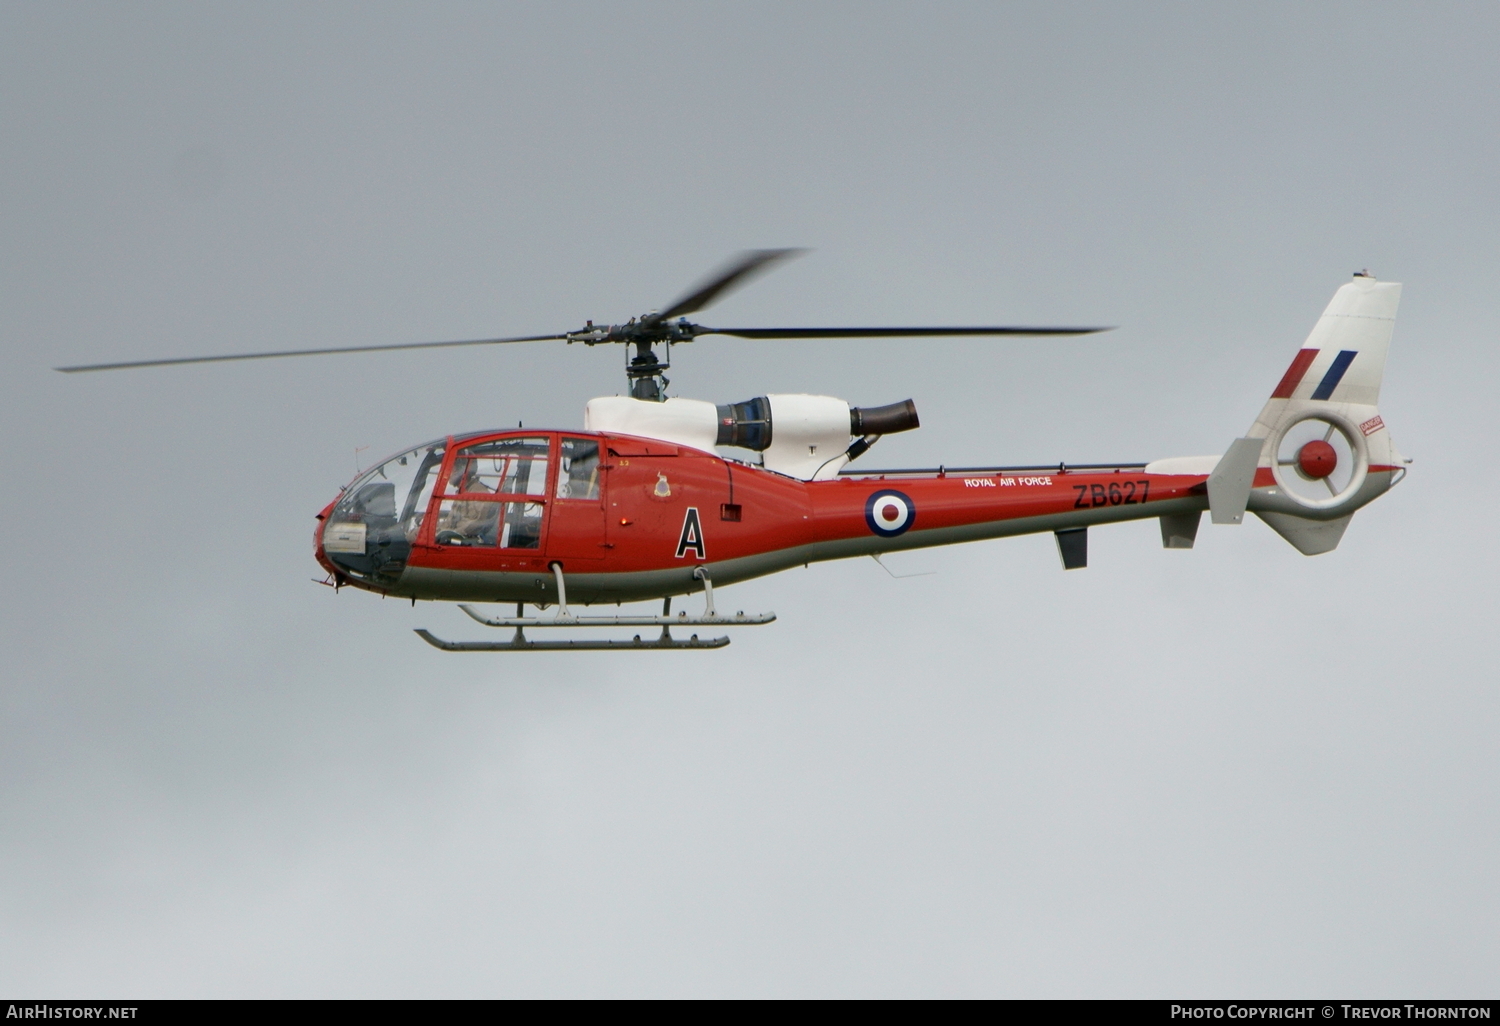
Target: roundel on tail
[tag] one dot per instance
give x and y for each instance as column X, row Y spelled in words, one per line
column 889, row 513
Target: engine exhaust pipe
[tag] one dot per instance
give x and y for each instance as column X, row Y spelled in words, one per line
column 883, row 420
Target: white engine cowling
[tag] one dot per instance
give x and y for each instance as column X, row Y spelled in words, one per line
column 809, row 434
column 690, row 422
column 803, row 436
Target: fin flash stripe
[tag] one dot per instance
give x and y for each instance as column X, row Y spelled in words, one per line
column 1293, row 376
column 1304, row 359
column 1335, row 374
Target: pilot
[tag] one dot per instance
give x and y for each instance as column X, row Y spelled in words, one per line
column 475, row 521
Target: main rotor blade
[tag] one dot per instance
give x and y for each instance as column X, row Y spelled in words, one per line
column 303, row 352
column 889, row 332
column 738, row 272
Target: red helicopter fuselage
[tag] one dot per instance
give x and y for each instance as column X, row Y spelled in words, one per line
column 486, row 517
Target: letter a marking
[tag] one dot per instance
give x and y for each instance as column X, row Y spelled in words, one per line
column 692, row 535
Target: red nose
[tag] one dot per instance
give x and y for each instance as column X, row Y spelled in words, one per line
column 1317, row 459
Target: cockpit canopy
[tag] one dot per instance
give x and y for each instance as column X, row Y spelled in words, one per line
column 371, row 528
column 493, row 494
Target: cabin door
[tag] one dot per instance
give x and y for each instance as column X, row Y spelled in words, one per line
column 578, row 533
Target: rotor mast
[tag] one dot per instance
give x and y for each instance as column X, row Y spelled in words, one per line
column 645, row 370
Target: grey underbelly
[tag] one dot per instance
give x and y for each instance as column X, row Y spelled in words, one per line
column 637, row 586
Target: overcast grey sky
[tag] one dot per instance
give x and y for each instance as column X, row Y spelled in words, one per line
column 1232, row 771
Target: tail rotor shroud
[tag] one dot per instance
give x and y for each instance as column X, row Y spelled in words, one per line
column 1319, row 461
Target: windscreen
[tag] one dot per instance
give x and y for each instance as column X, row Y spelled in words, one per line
column 370, row 531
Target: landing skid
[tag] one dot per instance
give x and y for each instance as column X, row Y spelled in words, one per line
column 680, row 620
column 519, row 642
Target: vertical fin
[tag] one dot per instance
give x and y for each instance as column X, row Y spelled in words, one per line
column 1073, row 547
column 1179, row 530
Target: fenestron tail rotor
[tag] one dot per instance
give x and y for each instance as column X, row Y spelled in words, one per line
column 1318, row 461
column 645, row 368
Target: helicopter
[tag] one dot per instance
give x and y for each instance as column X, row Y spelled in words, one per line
column 642, row 504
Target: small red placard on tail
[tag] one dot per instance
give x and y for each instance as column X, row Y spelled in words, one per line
column 1372, row 425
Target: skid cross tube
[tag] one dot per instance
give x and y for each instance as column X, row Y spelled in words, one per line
column 562, row 593
column 701, row 573
column 565, row 617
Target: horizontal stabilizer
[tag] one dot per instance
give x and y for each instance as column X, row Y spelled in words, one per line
column 1229, row 484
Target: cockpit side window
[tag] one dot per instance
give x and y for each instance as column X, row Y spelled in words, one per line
column 417, row 499
column 507, row 466
column 484, row 474
column 578, row 473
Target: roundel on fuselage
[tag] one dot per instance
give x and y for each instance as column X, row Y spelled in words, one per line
column 889, row 513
